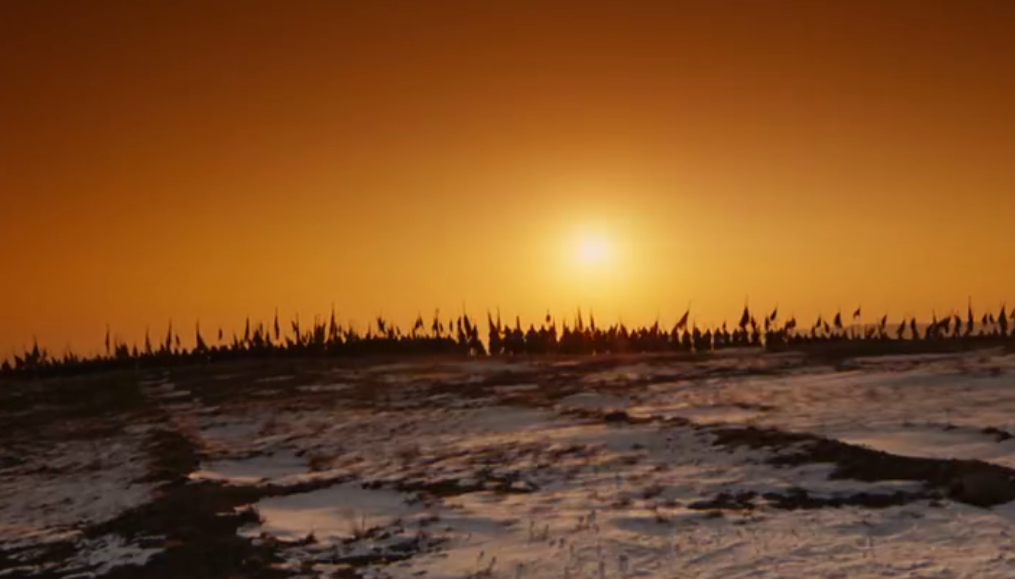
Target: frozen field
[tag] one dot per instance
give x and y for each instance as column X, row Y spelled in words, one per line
column 728, row 466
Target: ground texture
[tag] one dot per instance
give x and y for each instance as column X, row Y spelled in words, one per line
column 725, row 466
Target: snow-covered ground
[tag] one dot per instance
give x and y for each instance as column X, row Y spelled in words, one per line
column 546, row 469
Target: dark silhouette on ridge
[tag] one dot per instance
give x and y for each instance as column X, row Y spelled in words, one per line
column 461, row 337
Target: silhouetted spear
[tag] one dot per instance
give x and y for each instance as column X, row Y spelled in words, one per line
column 277, row 328
column 36, row 355
column 438, row 326
column 335, row 332
column 320, row 334
column 167, row 347
column 147, row 343
column 107, row 340
column 200, row 347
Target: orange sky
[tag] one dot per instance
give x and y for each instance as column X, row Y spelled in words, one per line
column 212, row 160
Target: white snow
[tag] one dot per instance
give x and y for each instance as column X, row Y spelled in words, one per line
column 254, row 470
column 331, row 514
column 536, row 493
column 102, row 554
column 610, row 500
column 68, row 487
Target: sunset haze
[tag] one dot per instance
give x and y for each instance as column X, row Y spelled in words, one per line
column 212, row 161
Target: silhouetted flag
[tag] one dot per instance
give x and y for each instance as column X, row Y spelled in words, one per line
column 147, row 343
column 107, row 339
column 246, row 331
column 276, row 327
column 884, row 322
column 902, row 329
column 838, row 321
column 682, row 322
column 912, row 328
column 775, row 314
column 745, row 318
column 856, row 314
column 220, row 334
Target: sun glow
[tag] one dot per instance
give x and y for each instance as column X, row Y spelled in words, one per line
column 593, row 250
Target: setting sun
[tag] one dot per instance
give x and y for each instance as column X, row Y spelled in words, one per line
column 593, row 249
